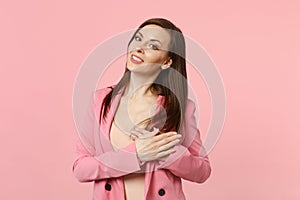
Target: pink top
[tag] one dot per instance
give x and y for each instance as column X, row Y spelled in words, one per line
column 134, row 183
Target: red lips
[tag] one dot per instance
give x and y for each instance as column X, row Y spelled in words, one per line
column 136, row 59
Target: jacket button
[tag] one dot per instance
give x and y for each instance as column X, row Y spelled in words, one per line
column 108, row 187
column 161, row 192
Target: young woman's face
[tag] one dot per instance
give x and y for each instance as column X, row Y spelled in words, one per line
column 148, row 50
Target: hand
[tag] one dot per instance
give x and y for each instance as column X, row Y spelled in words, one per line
column 151, row 147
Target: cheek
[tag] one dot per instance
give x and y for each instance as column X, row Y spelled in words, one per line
column 156, row 57
column 132, row 46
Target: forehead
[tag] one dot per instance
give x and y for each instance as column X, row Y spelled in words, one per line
column 153, row 31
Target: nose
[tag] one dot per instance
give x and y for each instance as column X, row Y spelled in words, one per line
column 139, row 50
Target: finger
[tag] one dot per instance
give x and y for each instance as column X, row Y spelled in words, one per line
column 145, row 134
column 145, row 131
column 148, row 134
column 168, row 145
column 136, row 133
column 163, row 136
column 133, row 137
column 140, row 130
column 168, row 140
column 165, row 153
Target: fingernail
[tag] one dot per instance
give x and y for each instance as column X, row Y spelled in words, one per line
column 155, row 130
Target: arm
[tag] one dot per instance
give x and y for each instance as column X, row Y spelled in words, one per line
column 91, row 162
column 187, row 162
column 87, row 167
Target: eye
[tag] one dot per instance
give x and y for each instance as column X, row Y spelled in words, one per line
column 137, row 38
column 153, row 46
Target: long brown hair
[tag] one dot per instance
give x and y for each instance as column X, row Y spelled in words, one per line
column 170, row 83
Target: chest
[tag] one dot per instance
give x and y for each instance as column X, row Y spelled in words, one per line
column 128, row 115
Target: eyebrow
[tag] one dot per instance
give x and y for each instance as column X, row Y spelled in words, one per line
column 150, row 39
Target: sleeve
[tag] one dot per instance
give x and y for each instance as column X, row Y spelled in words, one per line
column 190, row 160
column 87, row 167
column 91, row 164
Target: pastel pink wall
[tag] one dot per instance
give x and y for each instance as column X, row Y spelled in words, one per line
column 255, row 45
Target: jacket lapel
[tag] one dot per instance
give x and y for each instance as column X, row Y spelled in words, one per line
column 105, row 138
column 106, row 124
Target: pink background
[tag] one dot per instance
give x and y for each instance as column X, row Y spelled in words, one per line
column 255, row 46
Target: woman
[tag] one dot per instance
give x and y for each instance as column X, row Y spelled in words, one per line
column 148, row 136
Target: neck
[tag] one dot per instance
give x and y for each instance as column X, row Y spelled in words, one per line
column 139, row 86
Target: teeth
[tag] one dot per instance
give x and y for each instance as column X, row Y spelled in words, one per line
column 136, row 59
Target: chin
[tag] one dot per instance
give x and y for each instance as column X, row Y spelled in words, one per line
column 130, row 67
column 133, row 67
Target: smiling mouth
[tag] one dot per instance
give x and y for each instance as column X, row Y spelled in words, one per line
column 135, row 59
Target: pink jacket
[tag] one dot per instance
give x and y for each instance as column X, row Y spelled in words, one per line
column 162, row 178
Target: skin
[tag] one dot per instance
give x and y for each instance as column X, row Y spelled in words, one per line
column 137, row 102
column 150, row 44
column 155, row 147
column 154, row 55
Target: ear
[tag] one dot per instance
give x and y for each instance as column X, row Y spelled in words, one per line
column 167, row 63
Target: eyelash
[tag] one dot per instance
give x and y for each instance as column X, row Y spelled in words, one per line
column 154, row 47
column 137, row 38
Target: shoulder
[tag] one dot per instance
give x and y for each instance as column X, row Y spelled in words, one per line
column 99, row 96
column 190, row 106
column 101, row 93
